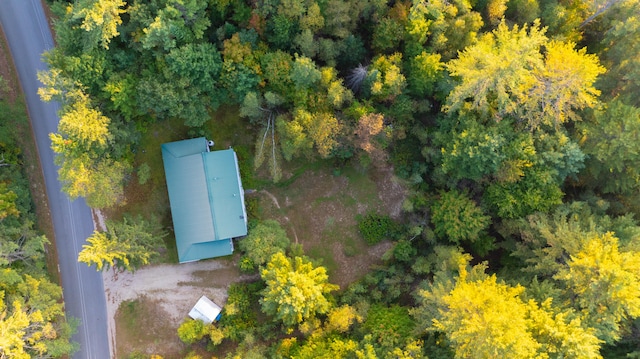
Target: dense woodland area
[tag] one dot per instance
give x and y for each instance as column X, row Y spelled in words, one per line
column 513, row 121
column 32, row 320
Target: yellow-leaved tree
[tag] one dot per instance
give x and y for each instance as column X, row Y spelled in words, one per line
column 520, row 73
column 296, row 290
column 604, row 282
column 82, row 148
column 126, row 245
column 32, row 318
column 483, row 317
column 595, row 272
column 100, row 19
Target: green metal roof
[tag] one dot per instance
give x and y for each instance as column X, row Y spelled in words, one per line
column 206, row 197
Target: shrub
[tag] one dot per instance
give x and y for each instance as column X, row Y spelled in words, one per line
column 144, row 173
column 247, row 265
column 390, row 326
column 192, row 331
column 239, row 316
column 376, row 227
column 264, row 240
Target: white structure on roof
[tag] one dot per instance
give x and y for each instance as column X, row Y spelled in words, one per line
column 205, row 310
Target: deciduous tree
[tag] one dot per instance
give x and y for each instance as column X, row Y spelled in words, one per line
column 7, row 202
column 276, row 67
column 100, row 182
column 197, row 64
column 471, row 150
column 566, row 83
column 32, row 318
column 263, row 241
column 498, row 71
column 304, row 73
column 191, row 331
column 296, row 291
column 505, row 74
column 178, row 22
column 605, row 283
column 100, row 18
column 457, row 218
column 446, row 27
column 83, row 128
column 595, row 272
column 387, row 35
column 21, row 243
column 126, row 245
column 425, row 70
column 387, row 80
column 483, row 317
column 306, row 131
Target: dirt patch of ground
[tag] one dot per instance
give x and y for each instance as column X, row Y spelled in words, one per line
column 319, row 211
column 391, row 190
column 145, row 308
column 145, row 329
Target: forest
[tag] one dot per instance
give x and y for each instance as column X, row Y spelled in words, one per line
column 32, row 318
column 513, row 122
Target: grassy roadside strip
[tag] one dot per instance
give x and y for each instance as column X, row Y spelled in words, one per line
column 30, row 159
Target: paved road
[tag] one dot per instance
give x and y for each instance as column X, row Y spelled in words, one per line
column 26, row 29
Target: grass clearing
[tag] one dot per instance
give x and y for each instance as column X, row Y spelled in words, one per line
column 319, row 207
column 146, row 313
column 323, row 256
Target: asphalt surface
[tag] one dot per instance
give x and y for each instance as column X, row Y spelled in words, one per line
column 26, row 29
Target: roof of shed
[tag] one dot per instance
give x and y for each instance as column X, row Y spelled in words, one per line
column 205, row 310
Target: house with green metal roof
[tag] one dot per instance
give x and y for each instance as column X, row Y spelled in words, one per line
column 206, row 198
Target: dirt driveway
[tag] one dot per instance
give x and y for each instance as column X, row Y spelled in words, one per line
column 165, row 294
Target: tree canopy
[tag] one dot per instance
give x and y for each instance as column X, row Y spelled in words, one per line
column 32, row 318
column 125, row 245
column 512, row 124
column 296, row 291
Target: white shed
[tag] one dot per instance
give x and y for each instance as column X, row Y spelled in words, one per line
column 205, row 310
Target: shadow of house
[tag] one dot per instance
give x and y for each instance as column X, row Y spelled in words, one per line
column 206, row 198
